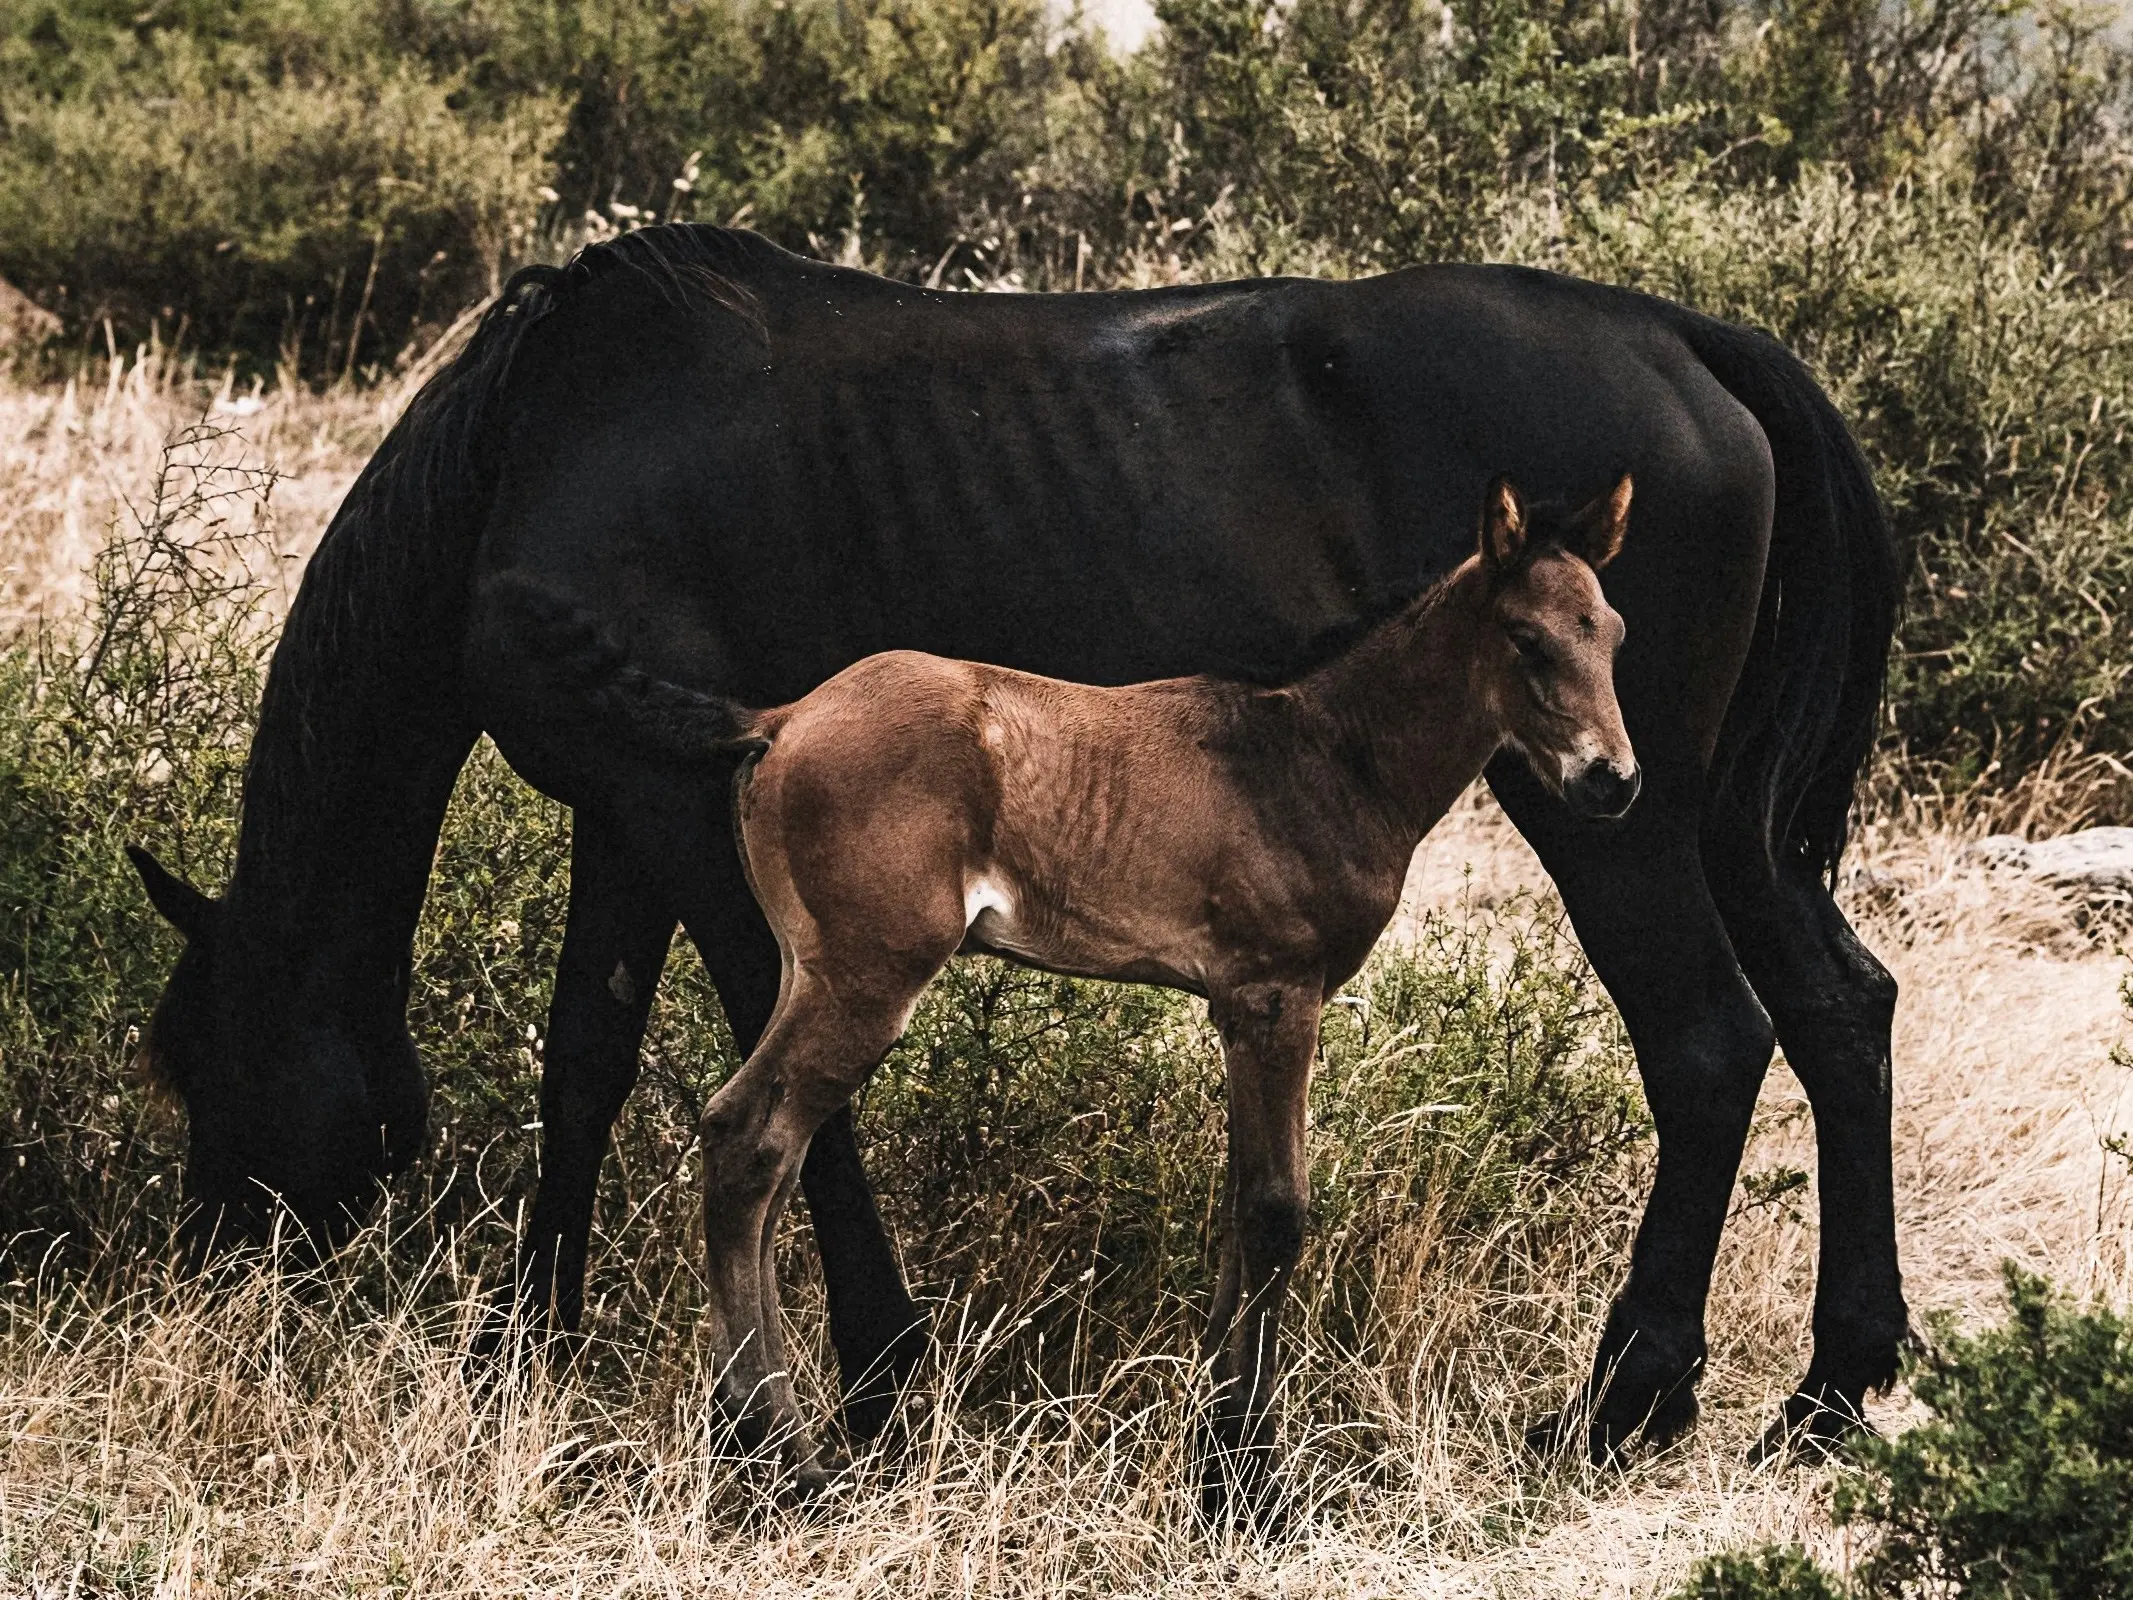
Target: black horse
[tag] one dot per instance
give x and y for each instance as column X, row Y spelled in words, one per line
column 753, row 470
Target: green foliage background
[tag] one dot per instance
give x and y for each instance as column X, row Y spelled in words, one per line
column 1929, row 199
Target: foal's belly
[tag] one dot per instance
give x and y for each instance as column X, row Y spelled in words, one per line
column 1005, row 918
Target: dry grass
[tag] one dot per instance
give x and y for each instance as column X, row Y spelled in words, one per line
column 314, row 1436
column 71, row 457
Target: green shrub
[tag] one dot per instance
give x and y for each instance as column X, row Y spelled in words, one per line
column 2019, row 1487
column 313, row 186
column 311, row 223
column 1781, row 1573
column 130, row 728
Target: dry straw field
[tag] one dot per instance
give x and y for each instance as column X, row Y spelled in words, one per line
column 293, row 1435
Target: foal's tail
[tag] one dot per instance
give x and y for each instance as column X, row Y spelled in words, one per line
column 581, row 663
column 1806, row 712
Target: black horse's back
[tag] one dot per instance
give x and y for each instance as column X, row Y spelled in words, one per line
column 1102, row 487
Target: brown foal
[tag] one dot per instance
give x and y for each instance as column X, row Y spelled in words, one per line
column 1245, row 844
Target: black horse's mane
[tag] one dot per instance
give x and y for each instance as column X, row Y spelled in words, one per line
column 360, row 651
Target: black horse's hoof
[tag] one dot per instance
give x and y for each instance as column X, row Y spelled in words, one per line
column 1565, row 1433
column 494, row 1333
column 1242, row 1487
column 1810, row 1429
column 812, row 1482
column 1262, row 1510
column 1556, row 1434
column 506, row 1331
column 1669, row 1421
column 1608, row 1438
column 866, row 1415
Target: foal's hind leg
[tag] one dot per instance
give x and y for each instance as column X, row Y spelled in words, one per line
column 1269, row 1031
column 1833, row 1004
column 1643, row 912
column 878, row 1334
column 816, row 1053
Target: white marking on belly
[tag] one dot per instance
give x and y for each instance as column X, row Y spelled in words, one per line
column 983, row 895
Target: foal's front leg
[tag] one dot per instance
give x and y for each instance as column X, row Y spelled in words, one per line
column 1269, row 1035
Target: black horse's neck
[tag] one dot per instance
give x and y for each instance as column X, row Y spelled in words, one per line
column 362, row 729
column 360, row 736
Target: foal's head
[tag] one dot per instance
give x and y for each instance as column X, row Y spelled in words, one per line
column 1549, row 667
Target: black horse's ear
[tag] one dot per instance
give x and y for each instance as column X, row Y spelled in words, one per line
column 184, row 907
column 1597, row 531
column 1503, row 526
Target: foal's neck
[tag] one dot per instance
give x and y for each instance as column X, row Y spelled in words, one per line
column 1408, row 699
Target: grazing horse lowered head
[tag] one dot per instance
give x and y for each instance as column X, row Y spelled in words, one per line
column 296, row 1111
column 1242, row 843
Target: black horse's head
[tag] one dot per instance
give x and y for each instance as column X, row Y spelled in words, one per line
column 289, row 1100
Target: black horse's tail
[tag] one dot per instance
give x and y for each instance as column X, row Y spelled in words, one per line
column 1808, row 706
column 577, row 661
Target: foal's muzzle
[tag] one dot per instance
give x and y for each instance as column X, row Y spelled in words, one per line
column 1603, row 791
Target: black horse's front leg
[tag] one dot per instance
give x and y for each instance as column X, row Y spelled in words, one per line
column 1644, row 913
column 614, row 947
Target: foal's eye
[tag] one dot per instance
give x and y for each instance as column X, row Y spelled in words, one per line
column 1528, row 645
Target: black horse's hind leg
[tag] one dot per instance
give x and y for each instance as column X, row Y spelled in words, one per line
column 1833, row 1004
column 614, row 946
column 878, row 1334
column 1645, row 916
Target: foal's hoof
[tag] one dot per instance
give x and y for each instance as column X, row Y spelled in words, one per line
column 1810, row 1428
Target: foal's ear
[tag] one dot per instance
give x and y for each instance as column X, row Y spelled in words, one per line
column 1597, row 530
column 1503, row 526
column 184, row 907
